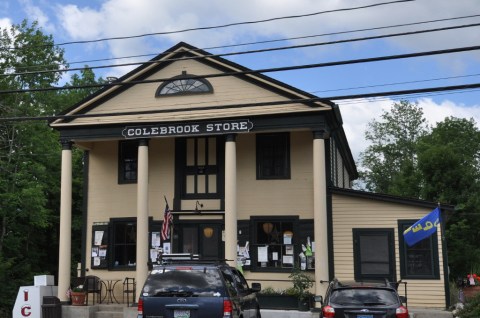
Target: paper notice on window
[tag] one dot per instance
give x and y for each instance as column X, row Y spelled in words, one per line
column 155, row 239
column 94, row 251
column 153, row 254
column 96, row 261
column 275, row 256
column 98, row 237
column 287, row 259
column 102, row 252
column 289, row 249
column 262, row 252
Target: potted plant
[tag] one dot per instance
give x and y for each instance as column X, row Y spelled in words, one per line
column 270, row 298
column 302, row 282
column 473, row 286
column 77, row 295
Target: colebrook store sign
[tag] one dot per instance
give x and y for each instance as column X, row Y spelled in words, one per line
column 203, row 128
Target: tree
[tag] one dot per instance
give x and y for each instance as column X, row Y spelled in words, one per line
column 448, row 159
column 30, row 158
column 389, row 164
column 25, row 155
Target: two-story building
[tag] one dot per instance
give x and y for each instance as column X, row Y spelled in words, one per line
column 251, row 168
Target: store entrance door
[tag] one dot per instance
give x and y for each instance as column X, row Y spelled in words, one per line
column 203, row 239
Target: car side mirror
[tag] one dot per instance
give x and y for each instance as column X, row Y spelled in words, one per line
column 256, row 287
column 318, row 299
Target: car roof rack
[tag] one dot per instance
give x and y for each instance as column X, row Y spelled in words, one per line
column 190, row 258
column 380, row 282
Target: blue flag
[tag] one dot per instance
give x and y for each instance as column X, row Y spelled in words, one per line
column 422, row 228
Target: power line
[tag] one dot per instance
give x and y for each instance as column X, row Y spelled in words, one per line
column 256, row 104
column 270, row 41
column 395, row 83
column 253, row 72
column 251, row 51
column 235, row 23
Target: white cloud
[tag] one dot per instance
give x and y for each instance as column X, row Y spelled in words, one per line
column 36, row 13
column 5, row 23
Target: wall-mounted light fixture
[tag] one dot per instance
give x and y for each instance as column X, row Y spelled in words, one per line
column 197, row 204
column 208, row 232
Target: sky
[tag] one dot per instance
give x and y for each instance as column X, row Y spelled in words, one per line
column 321, row 21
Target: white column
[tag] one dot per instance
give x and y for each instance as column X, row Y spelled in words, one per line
column 142, row 216
column 231, row 200
column 320, row 214
column 65, row 244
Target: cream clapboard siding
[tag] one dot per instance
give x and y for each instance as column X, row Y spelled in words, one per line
column 352, row 213
column 228, row 90
column 293, row 196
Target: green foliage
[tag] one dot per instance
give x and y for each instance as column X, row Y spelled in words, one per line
column 471, row 309
column 30, row 156
column 302, row 282
column 389, row 164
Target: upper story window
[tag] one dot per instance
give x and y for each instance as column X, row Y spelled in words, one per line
column 273, row 156
column 184, row 85
column 127, row 161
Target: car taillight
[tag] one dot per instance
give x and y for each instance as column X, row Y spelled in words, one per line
column 227, row 308
column 328, row 312
column 402, row 312
column 140, row 306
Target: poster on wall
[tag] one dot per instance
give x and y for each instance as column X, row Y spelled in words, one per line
column 99, row 247
column 98, row 238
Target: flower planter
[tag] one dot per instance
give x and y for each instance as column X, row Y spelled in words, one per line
column 78, row 298
column 471, row 291
column 285, row 302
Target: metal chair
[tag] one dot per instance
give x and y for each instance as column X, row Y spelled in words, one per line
column 129, row 288
column 93, row 285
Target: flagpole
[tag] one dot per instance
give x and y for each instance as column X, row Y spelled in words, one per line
column 171, row 225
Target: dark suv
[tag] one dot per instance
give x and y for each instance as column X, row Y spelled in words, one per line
column 363, row 300
column 197, row 289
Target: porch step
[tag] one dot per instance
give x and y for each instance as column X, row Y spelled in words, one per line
column 109, row 311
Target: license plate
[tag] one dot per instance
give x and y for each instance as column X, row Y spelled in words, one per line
column 177, row 313
column 364, row 316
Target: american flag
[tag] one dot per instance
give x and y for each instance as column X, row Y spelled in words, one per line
column 167, row 219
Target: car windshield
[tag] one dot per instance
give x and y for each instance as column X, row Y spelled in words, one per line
column 184, row 282
column 363, row 297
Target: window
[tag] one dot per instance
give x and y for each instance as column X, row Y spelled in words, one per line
column 124, row 249
column 184, row 84
column 127, row 162
column 273, row 156
column 199, row 167
column 419, row 261
column 374, row 256
column 273, row 247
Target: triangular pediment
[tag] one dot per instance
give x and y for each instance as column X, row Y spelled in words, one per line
column 236, row 91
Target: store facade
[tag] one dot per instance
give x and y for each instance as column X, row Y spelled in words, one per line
column 246, row 164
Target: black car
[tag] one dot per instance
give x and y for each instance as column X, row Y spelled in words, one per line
column 197, row 289
column 363, row 300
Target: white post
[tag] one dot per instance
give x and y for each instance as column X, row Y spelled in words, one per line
column 142, row 216
column 320, row 214
column 65, row 244
column 231, row 200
